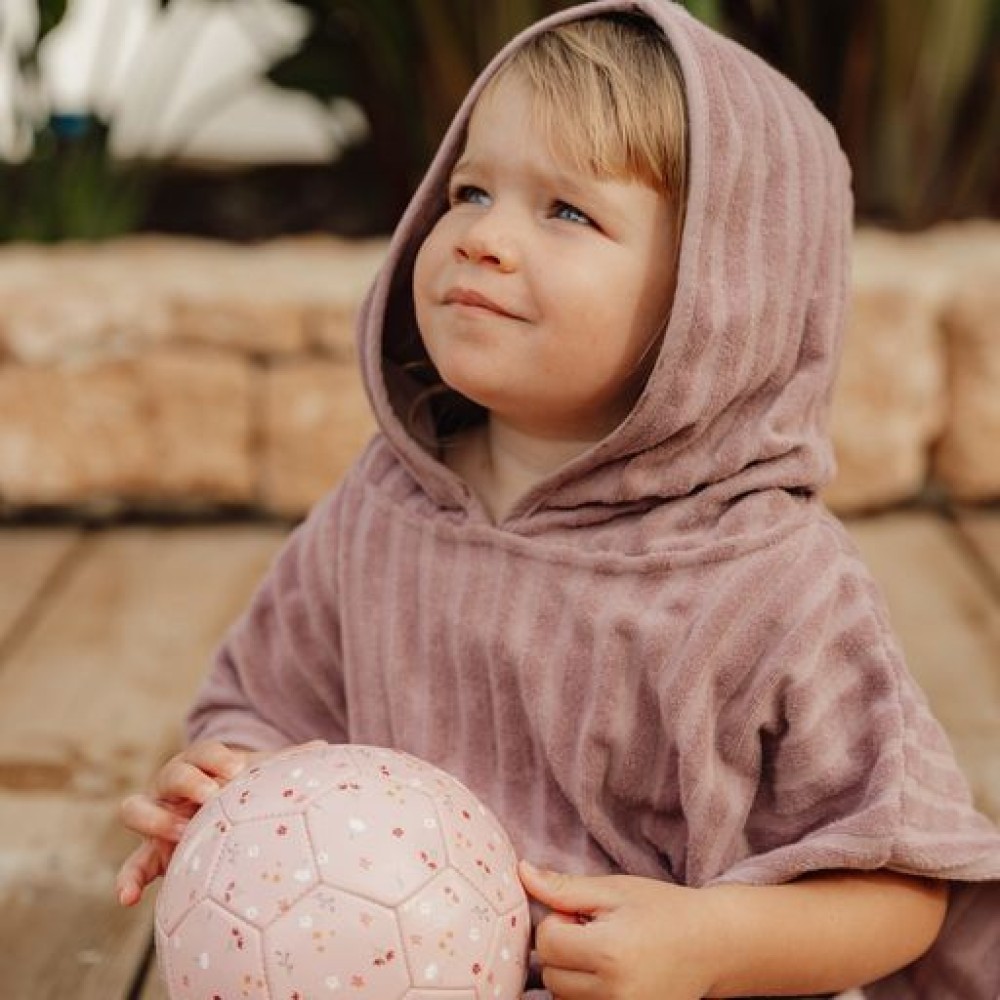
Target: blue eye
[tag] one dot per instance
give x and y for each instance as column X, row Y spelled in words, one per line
column 469, row 194
column 569, row 213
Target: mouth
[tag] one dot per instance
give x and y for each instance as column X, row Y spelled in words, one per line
column 476, row 300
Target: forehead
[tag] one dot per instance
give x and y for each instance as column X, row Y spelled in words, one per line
column 506, row 107
column 508, row 125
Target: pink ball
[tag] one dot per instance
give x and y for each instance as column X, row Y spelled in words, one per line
column 343, row 871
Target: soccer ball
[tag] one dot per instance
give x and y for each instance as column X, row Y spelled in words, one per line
column 343, row 871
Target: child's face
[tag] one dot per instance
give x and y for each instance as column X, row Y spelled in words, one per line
column 541, row 289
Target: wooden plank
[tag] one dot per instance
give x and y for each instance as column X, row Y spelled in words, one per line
column 949, row 623
column 981, row 529
column 28, row 558
column 90, row 703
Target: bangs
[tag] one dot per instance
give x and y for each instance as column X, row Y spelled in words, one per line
column 608, row 93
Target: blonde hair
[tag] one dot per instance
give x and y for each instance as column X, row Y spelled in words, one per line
column 608, row 91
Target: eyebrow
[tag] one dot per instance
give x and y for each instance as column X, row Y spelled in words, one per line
column 573, row 184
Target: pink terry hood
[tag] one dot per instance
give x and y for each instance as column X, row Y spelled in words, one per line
column 739, row 397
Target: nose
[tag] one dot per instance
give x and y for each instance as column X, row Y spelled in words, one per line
column 483, row 243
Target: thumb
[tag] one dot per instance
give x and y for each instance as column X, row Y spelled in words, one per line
column 578, row 894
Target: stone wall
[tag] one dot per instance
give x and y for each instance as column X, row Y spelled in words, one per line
column 179, row 375
column 918, row 398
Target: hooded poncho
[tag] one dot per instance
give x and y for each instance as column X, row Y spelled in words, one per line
column 667, row 659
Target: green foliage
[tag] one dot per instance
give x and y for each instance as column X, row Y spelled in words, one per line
column 934, row 120
column 912, row 86
column 69, row 188
column 50, row 13
column 66, row 185
column 407, row 64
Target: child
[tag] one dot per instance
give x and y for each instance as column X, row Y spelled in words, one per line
column 584, row 567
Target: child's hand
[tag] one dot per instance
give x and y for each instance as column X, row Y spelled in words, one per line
column 619, row 936
column 161, row 814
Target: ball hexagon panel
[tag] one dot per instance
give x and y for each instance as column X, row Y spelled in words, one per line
column 448, row 933
column 192, row 865
column 476, row 848
column 509, row 958
column 331, row 943
column 264, row 867
column 286, row 783
column 383, row 846
column 211, row 946
column 401, row 768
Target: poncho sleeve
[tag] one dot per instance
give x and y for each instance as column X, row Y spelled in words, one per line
column 857, row 774
column 276, row 678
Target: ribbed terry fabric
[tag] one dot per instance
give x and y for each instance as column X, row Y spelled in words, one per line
column 668, row 659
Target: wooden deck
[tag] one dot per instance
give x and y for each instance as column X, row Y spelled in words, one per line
column 105, row 633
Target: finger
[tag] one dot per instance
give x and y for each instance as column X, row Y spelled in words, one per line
column 178, row 781
column 146, row 863
column 562, row 942
column 152, row 819
column 216, row 759
column 570, row 984
column 567, row 893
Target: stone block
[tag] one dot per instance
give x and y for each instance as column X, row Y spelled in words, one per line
column 82, row 301
column 199, row 409
column 967, row 459
column 316, row 420
column 890, row 399
column 245, row 325
column 166, row 426
column 55, row 316
column 330, row 331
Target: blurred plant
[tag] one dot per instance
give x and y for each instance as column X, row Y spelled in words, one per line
column 408, row 65
column 912, row 86
column 68, row 186
column 62, row 181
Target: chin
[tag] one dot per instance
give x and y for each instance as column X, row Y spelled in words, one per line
column 471, row 377
column 473, row 391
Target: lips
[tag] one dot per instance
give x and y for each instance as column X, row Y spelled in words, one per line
column 469, row 297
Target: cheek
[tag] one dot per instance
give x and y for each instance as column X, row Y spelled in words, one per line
column 422, row 271
column 430, row 258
